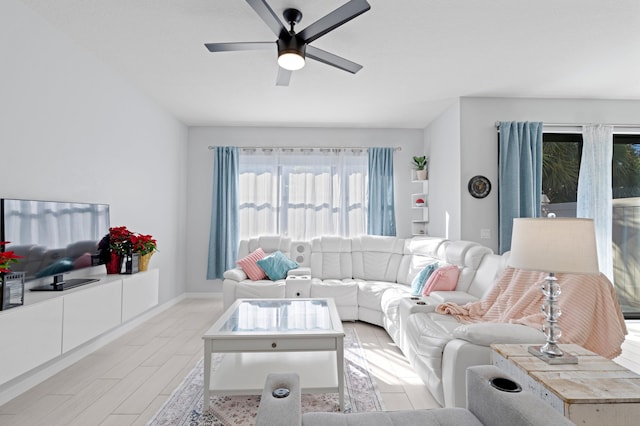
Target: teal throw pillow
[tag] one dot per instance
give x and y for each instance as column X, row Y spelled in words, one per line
column 276, row 265
column 419, row 281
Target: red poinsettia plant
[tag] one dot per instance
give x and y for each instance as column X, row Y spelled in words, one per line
column 7, row 258
column 120, row 240
column 144, row 244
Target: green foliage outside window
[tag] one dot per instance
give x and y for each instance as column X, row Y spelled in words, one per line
column 561, row 167
column 625, row 171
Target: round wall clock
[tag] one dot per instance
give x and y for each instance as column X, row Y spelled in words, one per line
column 479, row 186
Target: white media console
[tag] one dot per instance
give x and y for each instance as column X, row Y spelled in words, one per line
column 52, row 324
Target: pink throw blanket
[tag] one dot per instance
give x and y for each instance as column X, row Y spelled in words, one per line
column 591, row 316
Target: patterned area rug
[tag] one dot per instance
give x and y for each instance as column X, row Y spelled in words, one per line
column 184, row 407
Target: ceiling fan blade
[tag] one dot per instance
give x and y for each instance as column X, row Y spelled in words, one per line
column 333, row 20
column 232, row 47
column 333, row 60
column 284, row 76
column 268, row 16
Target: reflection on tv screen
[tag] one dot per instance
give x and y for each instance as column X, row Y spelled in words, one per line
column 53, row 237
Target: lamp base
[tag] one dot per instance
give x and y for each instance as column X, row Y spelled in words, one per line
column 565, row 358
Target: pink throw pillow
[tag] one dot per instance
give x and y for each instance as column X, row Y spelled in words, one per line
column 250, row 266
column 444, row 278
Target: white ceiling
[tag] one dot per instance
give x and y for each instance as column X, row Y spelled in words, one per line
column 418, row 56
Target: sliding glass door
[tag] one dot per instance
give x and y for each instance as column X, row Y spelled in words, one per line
column 561, row 165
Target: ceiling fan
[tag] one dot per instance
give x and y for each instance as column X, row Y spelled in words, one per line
column 293, row 46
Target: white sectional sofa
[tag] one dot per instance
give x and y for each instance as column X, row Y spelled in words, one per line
column 370, row 279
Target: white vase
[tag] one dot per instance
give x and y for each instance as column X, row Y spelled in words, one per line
column 421, row 174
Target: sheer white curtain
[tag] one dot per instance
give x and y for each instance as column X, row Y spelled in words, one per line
column 594, row 189
column 303, row 193
column 309, row 195
column 259, row 193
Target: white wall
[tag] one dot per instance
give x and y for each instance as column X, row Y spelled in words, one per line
column 73, row 130
column 442, row 137
column 200, row 175
column 479, row 144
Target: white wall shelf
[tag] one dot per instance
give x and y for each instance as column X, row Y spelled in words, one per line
column 420, row 211
column 419, row 228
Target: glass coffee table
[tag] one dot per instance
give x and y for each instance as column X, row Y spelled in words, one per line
column 262, row 336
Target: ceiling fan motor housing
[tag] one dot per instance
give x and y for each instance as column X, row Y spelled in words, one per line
column 291, row 52
column 292, row 16
column 291, row 44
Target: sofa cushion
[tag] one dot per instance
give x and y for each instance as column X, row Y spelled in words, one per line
column 426, row 246
column 390, row 301
column 268, row 243
column 276, row 265
column 249, row 265
column 429, row 332
column 490, row 269
column 236, row 274
column 331, row 258
column 344, row 292
column 445, row 278
column 261, row 289
column 426, row 336
column 376, row 258
column 485, row 334
column 370, row 293
column 467, row 256
column 417, row 285
column 459, row 297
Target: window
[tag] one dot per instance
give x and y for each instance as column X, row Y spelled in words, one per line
column 303, row 193
column 560, row 169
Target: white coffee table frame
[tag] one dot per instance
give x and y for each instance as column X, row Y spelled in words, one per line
column 251, row 354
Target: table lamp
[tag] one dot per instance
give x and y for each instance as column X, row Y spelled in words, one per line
column 553, row 245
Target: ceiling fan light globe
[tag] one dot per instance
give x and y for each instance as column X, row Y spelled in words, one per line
column 291, row 61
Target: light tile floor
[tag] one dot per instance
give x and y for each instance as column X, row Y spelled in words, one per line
column 128, row 380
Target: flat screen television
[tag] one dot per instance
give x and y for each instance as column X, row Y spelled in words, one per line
column 54, row 239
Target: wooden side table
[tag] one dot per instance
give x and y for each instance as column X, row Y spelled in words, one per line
column 596, row 391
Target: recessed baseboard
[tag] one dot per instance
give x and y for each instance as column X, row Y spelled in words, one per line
column 203, row 295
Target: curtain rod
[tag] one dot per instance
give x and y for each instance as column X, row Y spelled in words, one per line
column 397, row 148
column 579, row 124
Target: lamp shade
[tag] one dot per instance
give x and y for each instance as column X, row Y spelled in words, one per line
column 558, row 245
